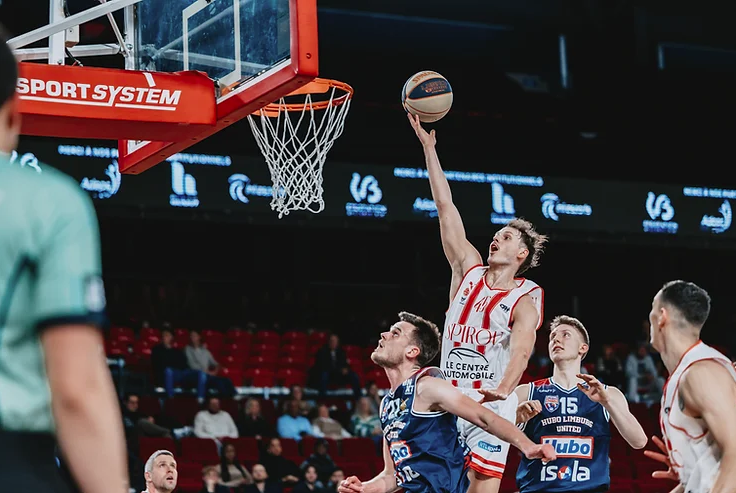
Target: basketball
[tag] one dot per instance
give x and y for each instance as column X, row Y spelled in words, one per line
column 428, row 95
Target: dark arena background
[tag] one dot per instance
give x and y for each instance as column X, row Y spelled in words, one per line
column 618, row 117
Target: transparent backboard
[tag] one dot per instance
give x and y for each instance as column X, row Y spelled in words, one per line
column 256, row 51
column 230, row 40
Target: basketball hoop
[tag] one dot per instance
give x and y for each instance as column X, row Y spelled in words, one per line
column 295, row 140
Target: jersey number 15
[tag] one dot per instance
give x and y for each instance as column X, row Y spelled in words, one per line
column 569, row 405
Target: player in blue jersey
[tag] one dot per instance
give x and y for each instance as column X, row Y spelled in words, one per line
column 571, row 411
column 421, row 450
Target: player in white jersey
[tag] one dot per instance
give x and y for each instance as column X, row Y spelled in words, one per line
column 698, row 415
column 481, row 354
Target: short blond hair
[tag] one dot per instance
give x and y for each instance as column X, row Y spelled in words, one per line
column 572, row 322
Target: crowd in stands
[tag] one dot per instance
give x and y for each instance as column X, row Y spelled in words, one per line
column 228, row 442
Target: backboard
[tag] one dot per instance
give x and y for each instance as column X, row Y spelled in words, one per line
column 255, row 51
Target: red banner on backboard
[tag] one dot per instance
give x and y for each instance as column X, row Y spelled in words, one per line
column 101, row 103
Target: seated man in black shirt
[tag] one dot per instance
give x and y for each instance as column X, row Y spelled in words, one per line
column 170, row 367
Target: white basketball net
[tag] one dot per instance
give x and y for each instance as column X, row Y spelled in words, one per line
column 295, row 145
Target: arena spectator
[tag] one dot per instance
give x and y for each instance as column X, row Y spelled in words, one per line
column 643, row 381
column 364, row 422
column 331, row 367
column 232, row 473
column 200, row 358
column 296, row 393
column 371, row 390
column 278, row 467
column 310, row 482
column 253, row 424
column 336, row 478
column 170, row 367
column 211, row 480
column 609, row 368
column 326, row 426
column 261, row 483
column 213, row 422
column 320, row 460
column 292, row 424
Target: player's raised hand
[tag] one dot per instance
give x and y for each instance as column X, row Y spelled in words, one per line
column 490, row 395
column 350, row 485
column 663, row 458
column 545, row 452
column 427, row 139
column 595, row 390
column 527, row 410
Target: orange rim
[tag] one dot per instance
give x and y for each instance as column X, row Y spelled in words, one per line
column 316, row 86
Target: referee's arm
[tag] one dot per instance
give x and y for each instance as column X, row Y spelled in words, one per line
column 70, row 307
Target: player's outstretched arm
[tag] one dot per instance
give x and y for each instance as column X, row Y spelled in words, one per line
column 521, row 345
column 460, row 253
column 439, row 393
column 708, row 391
column 617, row 406
column 85, row 407
column 384, row 482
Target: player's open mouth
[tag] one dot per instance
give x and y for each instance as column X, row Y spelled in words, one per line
column 169, row 478
column 494, row 248
column 556, row 348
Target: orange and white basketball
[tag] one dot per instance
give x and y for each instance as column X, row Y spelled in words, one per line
column 428, row 95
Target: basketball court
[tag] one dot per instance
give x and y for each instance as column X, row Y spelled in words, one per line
column 188, row 69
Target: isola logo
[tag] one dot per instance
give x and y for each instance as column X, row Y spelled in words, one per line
column 574, row 473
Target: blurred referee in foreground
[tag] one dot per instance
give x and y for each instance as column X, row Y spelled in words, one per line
column 54, row 381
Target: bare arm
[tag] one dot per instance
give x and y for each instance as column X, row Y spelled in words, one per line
column 88, row 421
column 625, row 422
column 385, row 481
column 439, row 393
column 708, row 391
column 523, row 336
column 460, row 253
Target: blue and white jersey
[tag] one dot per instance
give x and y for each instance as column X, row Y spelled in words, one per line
column 424, row 446
column 578, row 429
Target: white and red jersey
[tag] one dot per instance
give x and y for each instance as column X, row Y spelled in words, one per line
column 475, row 343
column 694, row 453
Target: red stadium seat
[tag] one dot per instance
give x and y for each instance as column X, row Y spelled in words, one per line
column 294, row 337
column 352, row 351
column 190, row 471
column 153, row 336
column 288, row 377
column 148, row 445
column 268, row 337
column 236, row 348
column 121, row 334
column 149, row 405
column 246, row 448
column 355, row 468
column 378, row 376
column 142, row 348
column 180, row 332
column 231, row 360
column 270, row 352
column 259, row 377
column 267, row 362
column 299, row 363
column 239, row 336
column 293, row 350
column 182, row 409
column 268, row 411
column 235, row 374
column 202, row 450
column 308, row 446
column 358, row 448
column 116, row 348
column 318, row 337
column 290, row 450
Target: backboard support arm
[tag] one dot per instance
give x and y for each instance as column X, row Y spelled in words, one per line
column 61, row 23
